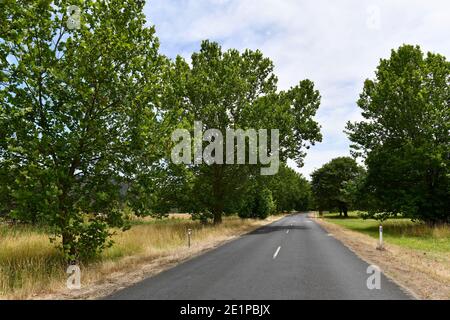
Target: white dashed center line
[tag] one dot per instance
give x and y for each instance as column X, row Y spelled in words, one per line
column 276, row 252
column 287, row 231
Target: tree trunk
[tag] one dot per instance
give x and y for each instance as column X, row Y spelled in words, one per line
column 345, row 211
column 218, row 194
column 67, row 242
column 217, row 217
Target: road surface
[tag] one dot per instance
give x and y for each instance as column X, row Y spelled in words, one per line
column 293, row 258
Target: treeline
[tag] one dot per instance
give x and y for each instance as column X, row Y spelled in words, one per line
column 257, row 196
column 87, row 113
column 87, row 116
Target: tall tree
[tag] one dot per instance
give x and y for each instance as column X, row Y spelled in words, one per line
column 330, row 181
column 233, row 90
column 79, row 117
column 405, row 135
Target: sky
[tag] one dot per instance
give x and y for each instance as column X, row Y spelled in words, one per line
column 336, row 44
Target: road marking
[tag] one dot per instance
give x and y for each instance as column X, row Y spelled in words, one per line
column 287, row 231
column 276, row 252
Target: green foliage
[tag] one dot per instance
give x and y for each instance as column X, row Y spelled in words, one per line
column 405, row 136
column 233, row 90
column 257, row 204
column 87, row 114
column 334, row 185
column 290, row 190
column 91, row 238
column 173, row 190
column 79, row 116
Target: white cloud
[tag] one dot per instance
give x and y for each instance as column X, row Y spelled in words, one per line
column 337, row 44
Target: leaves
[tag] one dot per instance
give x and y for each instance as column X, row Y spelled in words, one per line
column 333, row 184
column 233, row 90
column 80, row 114
column 405, row 135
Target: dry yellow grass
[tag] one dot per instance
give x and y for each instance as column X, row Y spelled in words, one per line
column 30, row 267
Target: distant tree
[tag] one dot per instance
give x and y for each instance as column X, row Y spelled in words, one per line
column 290, row 190
column 257, row 203
column 330, row 184
column 233, row 90
column 404, row 138
column 79, row 115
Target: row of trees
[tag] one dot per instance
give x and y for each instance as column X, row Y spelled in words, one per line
column 404, row 141
column 87, row 114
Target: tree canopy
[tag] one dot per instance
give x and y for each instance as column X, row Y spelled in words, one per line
column 80, row 115
column 290, row 190
column 404, row 137
column 233, row 90
column 330, row 183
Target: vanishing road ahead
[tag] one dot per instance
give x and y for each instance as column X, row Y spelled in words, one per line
column 293, row 258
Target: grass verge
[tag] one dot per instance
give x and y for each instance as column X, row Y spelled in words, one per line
column 402, row 232
column 31, row 268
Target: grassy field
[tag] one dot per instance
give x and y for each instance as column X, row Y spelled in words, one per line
column 402, row 232
column 30, row 266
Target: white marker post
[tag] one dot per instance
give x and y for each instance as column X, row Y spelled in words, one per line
column 380, row 245
column 189, row 237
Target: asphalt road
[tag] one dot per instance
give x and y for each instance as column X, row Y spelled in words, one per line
column 293, row 258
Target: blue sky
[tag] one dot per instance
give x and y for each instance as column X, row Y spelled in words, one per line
column 336, row 44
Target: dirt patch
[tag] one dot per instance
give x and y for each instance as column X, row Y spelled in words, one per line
column 425, row 275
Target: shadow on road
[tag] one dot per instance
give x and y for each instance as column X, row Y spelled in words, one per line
column 269, row 229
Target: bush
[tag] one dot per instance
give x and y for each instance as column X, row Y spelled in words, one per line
column 257, row 205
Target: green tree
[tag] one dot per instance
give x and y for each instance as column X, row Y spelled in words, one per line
column 79, row 116
column 331, row 184
column 405, row 136
column 290, row 190
column 174, row 190
column 233, row 90
column 257, row 203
